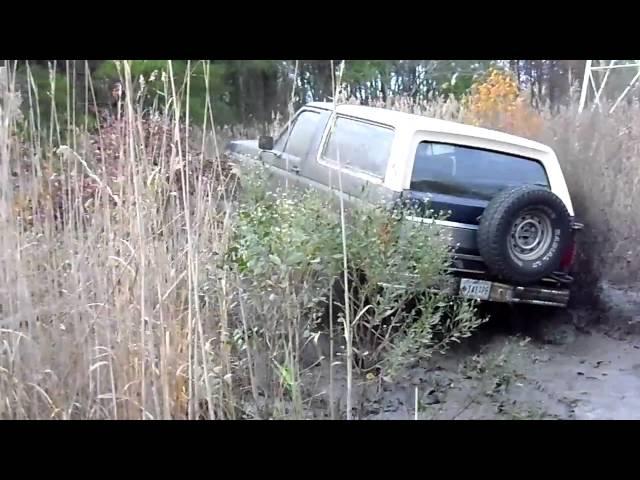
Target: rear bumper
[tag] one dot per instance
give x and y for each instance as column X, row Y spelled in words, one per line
column 551, row 291
column 533, row 295
column 543, row 295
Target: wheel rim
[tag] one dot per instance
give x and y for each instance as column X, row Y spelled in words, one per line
column 530, row 235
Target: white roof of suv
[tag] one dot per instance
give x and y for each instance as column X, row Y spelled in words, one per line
column 414, row 127
column 397, row 119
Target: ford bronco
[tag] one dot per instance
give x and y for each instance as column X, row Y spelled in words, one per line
column 510, row 213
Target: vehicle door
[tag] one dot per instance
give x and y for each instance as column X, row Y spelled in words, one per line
column 354, row 156
column 292, row 146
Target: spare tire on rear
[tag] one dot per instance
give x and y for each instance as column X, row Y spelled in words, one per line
column 523, row 234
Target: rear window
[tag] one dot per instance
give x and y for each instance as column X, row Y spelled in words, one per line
column 362, row 146
column 471, row 172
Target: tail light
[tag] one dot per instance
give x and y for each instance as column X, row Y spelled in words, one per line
column 569, row 256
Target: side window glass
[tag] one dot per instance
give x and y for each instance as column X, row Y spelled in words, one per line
column 361, row 146
column 304, row 128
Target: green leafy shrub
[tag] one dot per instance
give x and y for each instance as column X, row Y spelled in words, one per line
column 288, row 252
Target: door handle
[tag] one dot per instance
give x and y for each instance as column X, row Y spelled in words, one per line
column 295, row 169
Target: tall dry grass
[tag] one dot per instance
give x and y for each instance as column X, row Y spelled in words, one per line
column 102, row 295
column 600, row 156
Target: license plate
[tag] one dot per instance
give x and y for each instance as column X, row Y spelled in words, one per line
column 476, row 289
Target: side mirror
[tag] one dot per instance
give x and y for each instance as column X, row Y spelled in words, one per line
column 265, row 142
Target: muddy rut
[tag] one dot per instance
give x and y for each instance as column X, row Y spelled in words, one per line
column 566, row 366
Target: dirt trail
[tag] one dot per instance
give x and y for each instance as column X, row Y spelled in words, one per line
column 557, row 370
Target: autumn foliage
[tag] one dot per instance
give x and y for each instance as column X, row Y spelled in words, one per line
column 496, row 102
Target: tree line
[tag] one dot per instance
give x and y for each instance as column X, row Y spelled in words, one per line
column 255, row 91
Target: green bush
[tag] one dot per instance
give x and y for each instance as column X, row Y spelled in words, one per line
column 288, row 253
